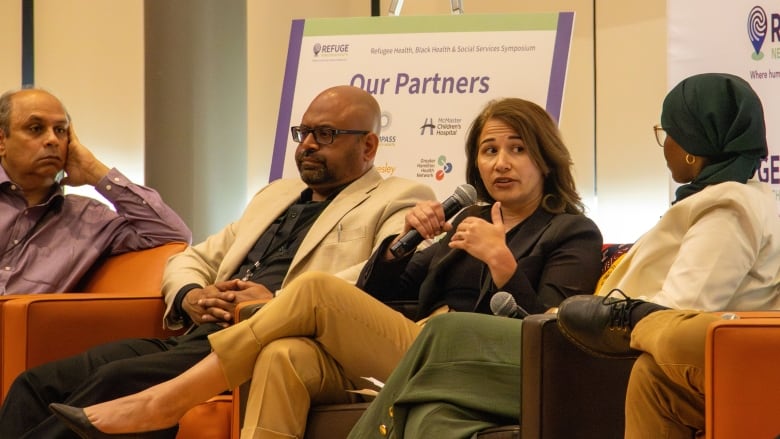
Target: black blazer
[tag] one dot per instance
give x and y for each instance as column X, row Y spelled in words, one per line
column 557, row 256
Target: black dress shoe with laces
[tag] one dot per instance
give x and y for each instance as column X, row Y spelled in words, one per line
column 599, row 325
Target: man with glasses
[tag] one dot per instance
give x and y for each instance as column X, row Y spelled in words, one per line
column 330, row 220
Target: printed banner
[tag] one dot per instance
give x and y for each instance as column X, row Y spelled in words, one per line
column 741, row 37
column 431, row 76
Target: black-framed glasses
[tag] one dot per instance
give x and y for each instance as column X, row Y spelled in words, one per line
column 660, row 134
column 322, row 135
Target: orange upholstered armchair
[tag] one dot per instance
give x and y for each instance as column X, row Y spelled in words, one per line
column 120, row 299
column 742, row 390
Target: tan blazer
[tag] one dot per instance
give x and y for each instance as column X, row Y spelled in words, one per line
column 340, row 240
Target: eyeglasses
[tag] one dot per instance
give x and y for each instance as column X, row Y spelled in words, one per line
column 322, row 135
column 660, row 135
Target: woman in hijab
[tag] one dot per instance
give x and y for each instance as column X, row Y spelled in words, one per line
column 716, row 249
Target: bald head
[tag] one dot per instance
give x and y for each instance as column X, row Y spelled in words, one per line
column 349, row 103
column 8, row 99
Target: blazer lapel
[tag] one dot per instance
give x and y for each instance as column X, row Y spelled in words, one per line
column 533, row 229
column 521, row 244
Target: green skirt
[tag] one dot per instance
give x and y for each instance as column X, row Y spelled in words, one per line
column 459, row 377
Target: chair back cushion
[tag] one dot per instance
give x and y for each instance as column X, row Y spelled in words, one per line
column 129, row 273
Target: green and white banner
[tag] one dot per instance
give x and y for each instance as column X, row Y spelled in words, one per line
column 431, row 75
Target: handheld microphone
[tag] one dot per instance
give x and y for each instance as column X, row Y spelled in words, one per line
column 504, row 305
column 465, row 195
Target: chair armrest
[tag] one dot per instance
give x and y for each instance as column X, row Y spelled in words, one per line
column 566, row 392
column 121, row 299
column 742, row 383
column 40, row 328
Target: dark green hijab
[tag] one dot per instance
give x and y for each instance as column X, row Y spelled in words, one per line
column 720, row 117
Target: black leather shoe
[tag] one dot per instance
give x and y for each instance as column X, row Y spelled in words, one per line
column 599, row 325
column 76, row 420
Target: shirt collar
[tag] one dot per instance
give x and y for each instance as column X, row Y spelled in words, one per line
column 306, row 194
column 56, row 191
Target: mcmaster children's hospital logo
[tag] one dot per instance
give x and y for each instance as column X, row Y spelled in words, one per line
column 441, row 126
column 759, row 27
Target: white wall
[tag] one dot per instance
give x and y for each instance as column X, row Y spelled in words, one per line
column 11, row 45
column 632, row 179
column 90, row 54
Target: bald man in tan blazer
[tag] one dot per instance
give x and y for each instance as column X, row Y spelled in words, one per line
column 339, row 242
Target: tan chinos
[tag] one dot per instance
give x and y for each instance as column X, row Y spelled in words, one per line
column 307, row 346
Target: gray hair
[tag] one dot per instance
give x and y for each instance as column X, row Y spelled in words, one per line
column 6, row 102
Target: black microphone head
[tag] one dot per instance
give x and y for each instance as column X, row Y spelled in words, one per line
column 503, row 304
column 465, row 194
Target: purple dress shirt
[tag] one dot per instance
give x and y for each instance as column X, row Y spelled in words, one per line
column 49, row 247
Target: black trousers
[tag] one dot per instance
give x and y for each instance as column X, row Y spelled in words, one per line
column 100, row 374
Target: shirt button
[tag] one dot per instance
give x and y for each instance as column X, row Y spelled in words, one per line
column 16, row 241
column 108, row 187
column 390, row 411
column 13, row 187
column 7, row 268
column 383, row 429
column 116, row 178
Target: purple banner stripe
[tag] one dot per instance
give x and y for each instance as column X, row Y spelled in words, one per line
column 559, row 64
column 288, row 93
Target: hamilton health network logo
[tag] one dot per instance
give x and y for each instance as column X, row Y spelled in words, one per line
column 756, row 27
column 445, row 167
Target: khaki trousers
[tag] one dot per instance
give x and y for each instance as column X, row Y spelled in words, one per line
column 308, row 345
column 665, row 398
